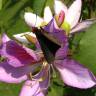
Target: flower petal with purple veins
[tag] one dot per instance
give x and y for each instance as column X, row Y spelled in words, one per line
column 74, row 74
column 31, row 88
column 17, row 55
column 10, row 74
column 53, row 29
column 82, row 25
column 44, row 75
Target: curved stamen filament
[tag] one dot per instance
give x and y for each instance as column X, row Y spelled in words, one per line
column 53, row 70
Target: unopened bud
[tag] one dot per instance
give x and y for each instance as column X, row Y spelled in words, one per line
column 60, row 18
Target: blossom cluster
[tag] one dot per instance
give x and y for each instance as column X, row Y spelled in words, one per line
column 51, row 36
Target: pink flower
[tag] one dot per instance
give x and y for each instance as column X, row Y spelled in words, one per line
column 19, row 65
column 69, row 18
column 72, row 72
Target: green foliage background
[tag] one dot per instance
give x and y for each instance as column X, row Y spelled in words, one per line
column 12, row 22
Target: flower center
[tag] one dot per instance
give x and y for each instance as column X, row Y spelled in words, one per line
column 66, row 26
column 60, row 18
column 62, row 23
column 40, row 73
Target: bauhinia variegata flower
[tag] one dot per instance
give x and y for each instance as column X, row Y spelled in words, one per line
column 52, row 35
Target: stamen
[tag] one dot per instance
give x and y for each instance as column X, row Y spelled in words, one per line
column 53, row 72
column 31, row 75
column 30, row 38
column 45, row 63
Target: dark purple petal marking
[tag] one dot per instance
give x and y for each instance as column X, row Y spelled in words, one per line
column 17, row 55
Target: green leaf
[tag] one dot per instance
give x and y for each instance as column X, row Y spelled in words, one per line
column 38, row 6
column 80, row 92
column 55, row 90
column 10, row 89
column 87, row 49
column 50, row 3
column 0, row 4
column 11, row 13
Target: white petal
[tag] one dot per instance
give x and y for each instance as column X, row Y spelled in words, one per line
column 74, row 12
column 20, row 37
column 58, row 6
column 32, row 19
column 47, row 14
column 82, row 26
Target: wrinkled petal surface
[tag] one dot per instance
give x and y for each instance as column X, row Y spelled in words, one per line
column 83, row 25
column 74, row 74
column 17, row 55
column 31, row 88
column 58, row 6
column 11, row 74
column 32, row 19
column 47, row 14
column 74, row 12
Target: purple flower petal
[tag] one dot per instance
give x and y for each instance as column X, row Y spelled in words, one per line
column 83, row 25
column 5, row 38
column 44, row 75
column 62, row 52
column 10, row 74
column 17, row 55
column 56, row 32
column 74, row 74
column 31, row 88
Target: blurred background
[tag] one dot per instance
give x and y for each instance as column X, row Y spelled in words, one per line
column 12, row 22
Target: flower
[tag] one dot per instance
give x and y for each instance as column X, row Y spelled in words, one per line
column 33, row 20
column 68, row 18
column 20, row 64
column 72, row 72
column 57, row 54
